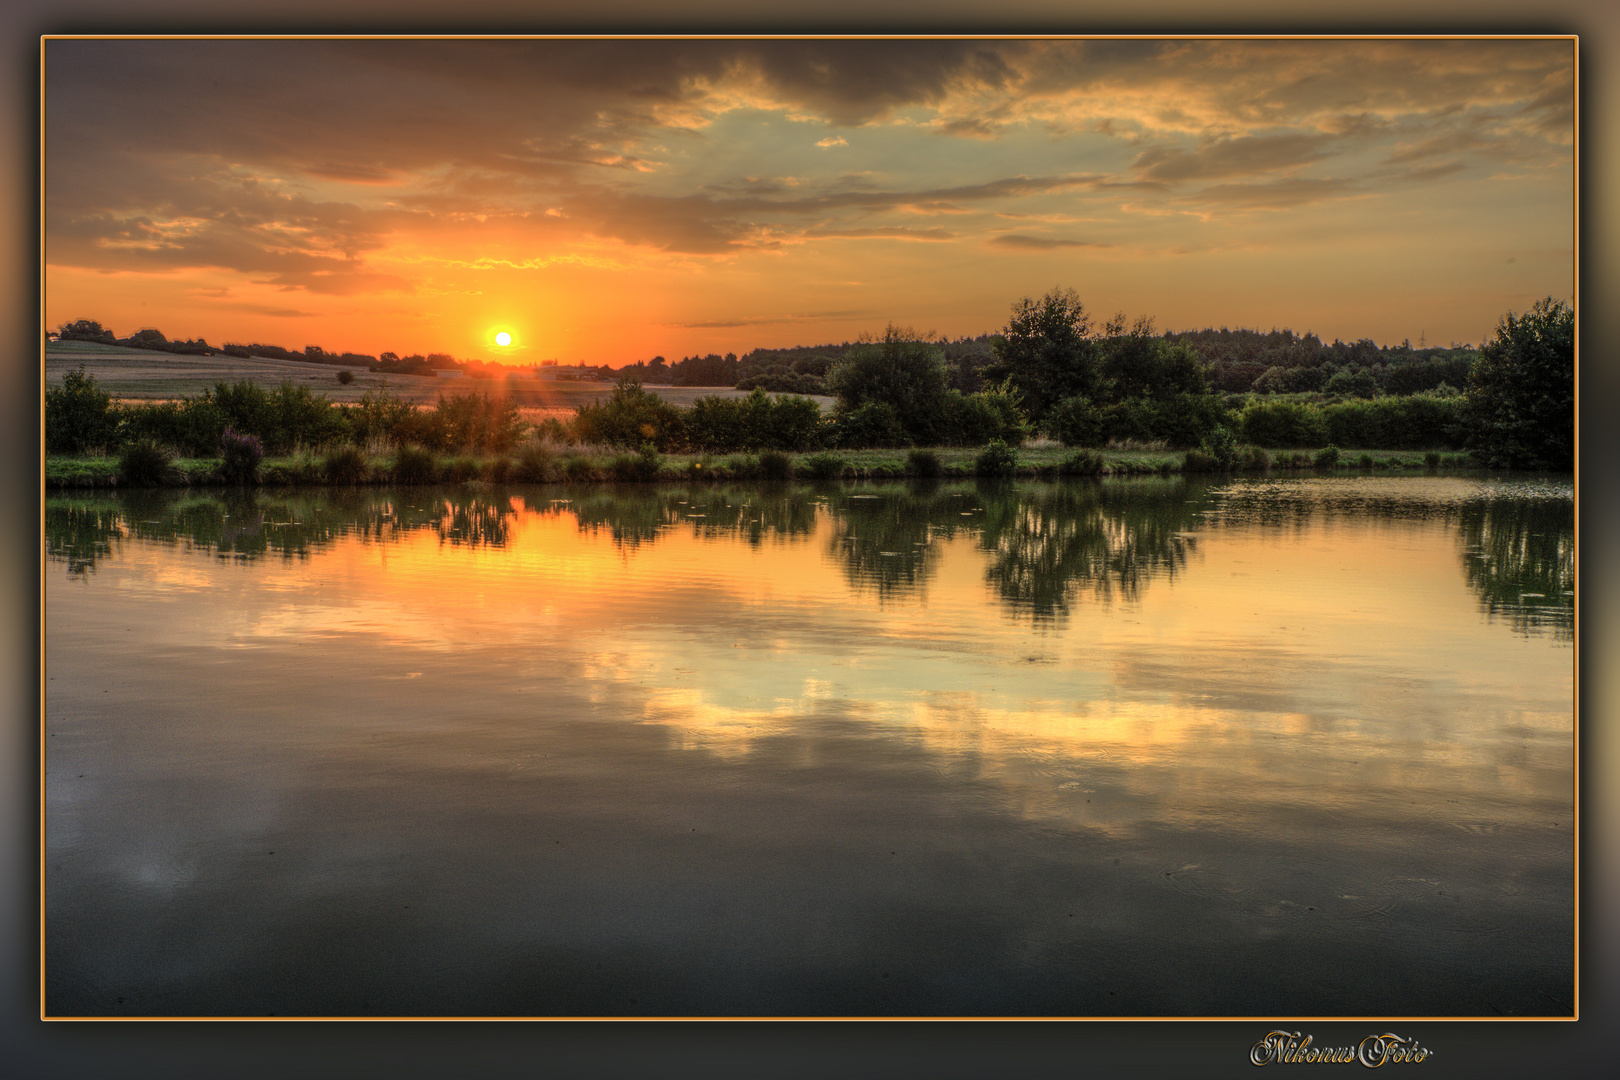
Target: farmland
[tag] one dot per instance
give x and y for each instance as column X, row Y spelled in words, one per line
column 142, row 375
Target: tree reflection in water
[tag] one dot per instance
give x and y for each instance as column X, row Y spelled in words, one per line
column 1044, row 543
column 1519, row 555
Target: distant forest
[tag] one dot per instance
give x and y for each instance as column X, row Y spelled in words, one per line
column 1234, row 361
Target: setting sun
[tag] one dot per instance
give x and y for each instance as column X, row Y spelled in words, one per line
column 503, row 339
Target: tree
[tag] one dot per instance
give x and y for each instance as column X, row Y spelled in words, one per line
column 86, row 330
column 1521, row 391
column 901, row 370
column 1047, row 352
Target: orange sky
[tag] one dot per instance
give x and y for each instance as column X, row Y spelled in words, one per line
column 605, row 201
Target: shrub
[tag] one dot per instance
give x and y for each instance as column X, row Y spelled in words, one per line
column 639, row 466
column 192, row 426
column 414, row 465
column 345, row 377
column 1254, row 459
column 242, row 454
column 578, row 469
column 900, row 370
column 1221, row 448
column 497, row 469
column 757, row 421
column 775, row 465
column 739, row 468
column 1432, row 459
column 1281, row 424
column 533, row 463
column 476, row 422
column 344, row 465
column 874, row 424
column 459, row 470
column 996, row 459
column 1365, row 461
column 1197, row 461
column 823, row 466
column 1082, row 463
column 630, row 417
column 924, row 463
column 78, row 415
column 552, row 430
column 146, row 463
column 380, row 416
column 297, row 415
column 1327, row 457
column 1076, row 421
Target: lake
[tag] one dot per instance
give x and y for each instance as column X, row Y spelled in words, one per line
column 1154, row 747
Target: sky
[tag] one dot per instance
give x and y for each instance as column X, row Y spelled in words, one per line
column 605, row 201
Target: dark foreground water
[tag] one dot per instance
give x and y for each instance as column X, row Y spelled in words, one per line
column 1160, row 748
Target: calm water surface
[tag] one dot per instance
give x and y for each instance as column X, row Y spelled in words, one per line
column 1169, row 747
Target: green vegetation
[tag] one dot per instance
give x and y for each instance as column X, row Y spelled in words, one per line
column 1521, row 391
column 906, row 405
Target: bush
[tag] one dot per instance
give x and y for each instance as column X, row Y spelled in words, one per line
column 146, row 463
column 1221, row 448
column 1076, row 421
column 1197, row 461
column 414, row 465
column 78, row 415
column 533, row 463
column 192, row 426
column 1282, row 424
column 345, row 377
column 477, row 423
column 242, row 454
column 640, row 466
column 925, row 463
column 1431, row 460
column 630, row 417
column 996, row 459
column 1365, row 461
column 874, row 424
column 899, row 370
column 758, row 421
column 775, row 465
column 823, row 466
column 459, row 470
column 1327, row 457
column 738, row 468
column 344, row 465
column 578, row 469
column 380, row 416
column 1253, row 459
column 1082, row 463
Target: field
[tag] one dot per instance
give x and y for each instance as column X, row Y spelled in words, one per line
column 142, row 375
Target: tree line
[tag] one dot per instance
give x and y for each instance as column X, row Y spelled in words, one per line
column 1053, row 369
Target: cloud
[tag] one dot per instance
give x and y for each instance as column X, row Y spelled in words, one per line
column 1276, row 195
column 833, row 140
column 1226, row 157
column 1018, row 240
column 882, row 232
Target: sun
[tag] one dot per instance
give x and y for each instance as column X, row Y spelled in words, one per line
column 503, row 339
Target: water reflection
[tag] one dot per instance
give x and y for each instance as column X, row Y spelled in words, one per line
column 1147, row 748
column 1516, row 539
column 1044, row 544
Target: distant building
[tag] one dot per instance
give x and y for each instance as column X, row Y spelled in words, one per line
column 449, row 373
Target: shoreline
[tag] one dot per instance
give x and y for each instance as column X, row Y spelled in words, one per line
column 310, row 469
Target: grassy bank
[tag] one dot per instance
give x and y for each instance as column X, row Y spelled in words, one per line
column 540, row 463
